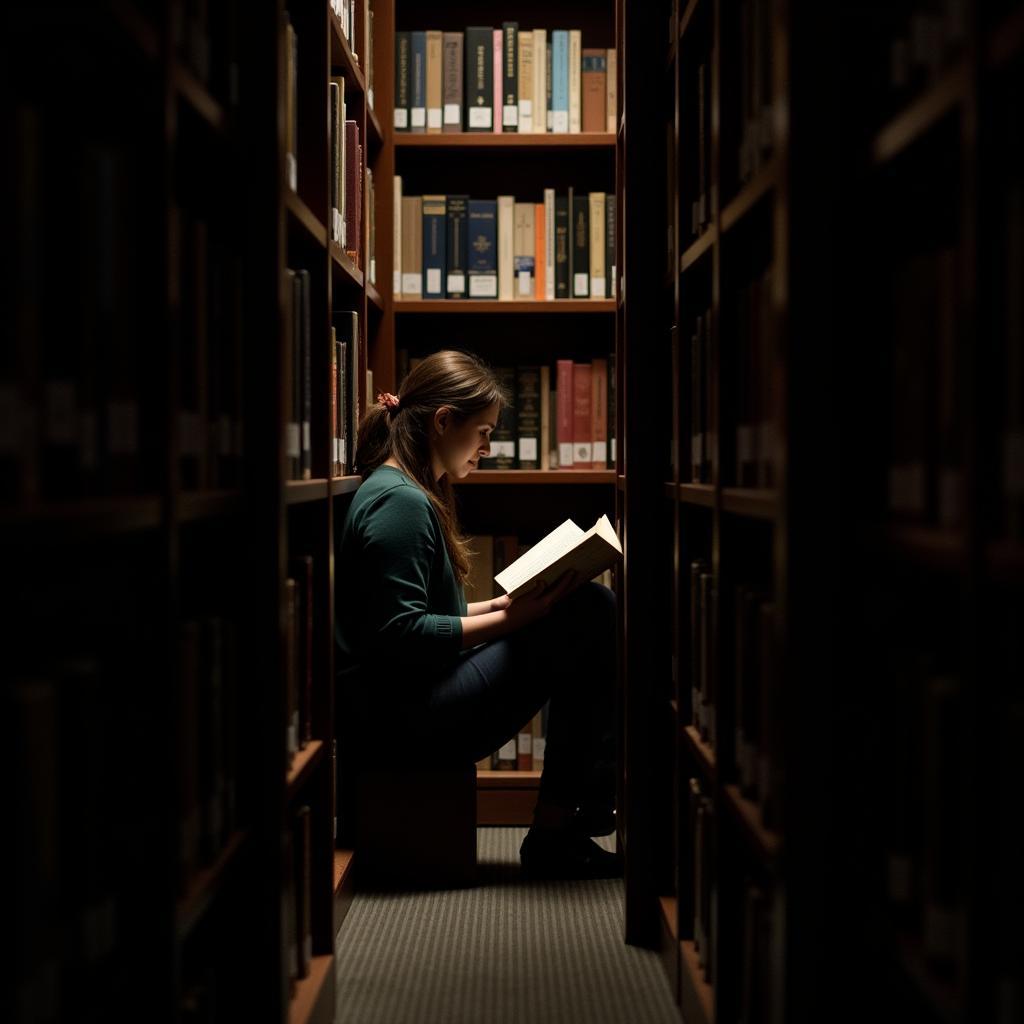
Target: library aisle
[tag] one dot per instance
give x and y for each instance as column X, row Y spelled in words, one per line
column 507, row 951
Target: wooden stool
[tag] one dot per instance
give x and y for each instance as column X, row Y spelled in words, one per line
column 416, row 828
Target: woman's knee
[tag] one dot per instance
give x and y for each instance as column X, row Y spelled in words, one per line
column 595, row 600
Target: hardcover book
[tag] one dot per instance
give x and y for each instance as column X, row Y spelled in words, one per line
column 457, row 262
column 451, row 93
column 418, row 82
column 482, row 251
column 435, row 234
column 402, row 43
column 478, row 58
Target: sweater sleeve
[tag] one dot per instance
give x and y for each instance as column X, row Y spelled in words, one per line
column 400, row 549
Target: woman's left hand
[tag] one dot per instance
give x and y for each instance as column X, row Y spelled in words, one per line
column 500, row 603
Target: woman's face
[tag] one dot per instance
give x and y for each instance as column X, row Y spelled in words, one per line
column 458, row 447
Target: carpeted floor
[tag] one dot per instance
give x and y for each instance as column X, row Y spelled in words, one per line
column 506, row 952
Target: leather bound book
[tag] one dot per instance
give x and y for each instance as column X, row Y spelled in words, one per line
column 402, row 83
column 528, row 413
column 599, row 412
column 565, row 413
column 418, row 82
column 457, row 258
column 593, row 74
column 563, row 285
column 510, row 76
column 478, row 59
column 451, row 84
column 582, row 405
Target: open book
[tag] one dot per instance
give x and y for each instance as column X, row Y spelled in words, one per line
column 563, row 549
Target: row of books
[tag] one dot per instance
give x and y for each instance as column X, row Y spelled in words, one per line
column 344, row 391
column 925, row 474
column 704, row 881
column 564, row 420
column 349, row 13
column 455, row 247
column 696, row 381
column 503, row 80
column 346, row 180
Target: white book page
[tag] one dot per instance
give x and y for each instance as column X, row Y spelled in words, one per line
column 541, row 555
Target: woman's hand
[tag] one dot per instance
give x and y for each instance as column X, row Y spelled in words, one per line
column 537, row 602
column 499, row 604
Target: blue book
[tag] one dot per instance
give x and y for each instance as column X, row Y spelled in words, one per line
column 482, row 251
column 560, row 80
column 435, row 231
column 418, row 81
column 455, row 285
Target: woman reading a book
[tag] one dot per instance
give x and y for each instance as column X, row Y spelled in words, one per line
column 432, row 672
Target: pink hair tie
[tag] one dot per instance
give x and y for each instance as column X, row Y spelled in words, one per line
column 389, row 401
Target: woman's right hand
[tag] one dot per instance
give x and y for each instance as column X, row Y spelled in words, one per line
column 537, row 602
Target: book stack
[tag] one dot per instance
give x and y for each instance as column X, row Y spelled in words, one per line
column 503, row 80
column 456, row 247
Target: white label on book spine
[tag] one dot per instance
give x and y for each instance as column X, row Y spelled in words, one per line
column 483, row 286
column 452, row 113
column 508, row 751
column 335, row 233
column 396, row 282
column 344, row 449
column 503, row 449
column 373, row 270
column 528, row 449
column 580, row 285
column 540, row 745
column 433, row 117
column 433, row 279
column 561, row 121
column 306, row 446
column 479, row 117
column 614, row 280
column 401, row 118
column 123, row 427
column 457, row 283
column 613, row 451
column 526, row 108
column 525, row 283
column 597, row 287
column 600, row 452
column 418, row 117
column 291, row 441
column 369, row 97
column 510, row 115
column 412, row 284
column 582, row 452
column 565, row 454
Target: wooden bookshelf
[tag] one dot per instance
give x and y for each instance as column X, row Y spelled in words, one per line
column 526, row 477
column 462, row 306
column 512, row 141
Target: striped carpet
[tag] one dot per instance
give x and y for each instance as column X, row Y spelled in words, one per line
column 506, row 952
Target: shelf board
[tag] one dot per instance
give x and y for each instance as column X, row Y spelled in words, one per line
column 1004, row 561
column 927, row 546
column 296, row 492
column 343, row 264
column 195, row 94
column 304, row 216
column 194, row 904
column 486, row 779
column 506, row 306
column 137, row 26
column 342, row 868
column 750, row 195
column 921, row 114
column 302, row 766
column 373, row 296
column 697, row 997
column 198, row 505
column 505, row 140
column 701, row 751
column 313, row 1000
column 342, row 58
column 687, row 16
column 755, row 503
column 87, row 515
column 766, row 841
column 1006, row 40
column 695, row 250
column 697, row 494
column 538, row 476
column 345, row 485
column 344, row 885
column 373, row 128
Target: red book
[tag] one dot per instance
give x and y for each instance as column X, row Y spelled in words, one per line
column 352, row 176
column 582, row 412
column 498, row 78
column 599, row 412
column 565, row 416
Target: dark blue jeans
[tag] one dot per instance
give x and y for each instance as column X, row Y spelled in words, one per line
column 569, row 657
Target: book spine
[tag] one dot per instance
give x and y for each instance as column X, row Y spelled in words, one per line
column 482, row 252
column 434, row 238
column 598, row 278
column 412, row 247
column 565, row 418
column 561, row 247
column 575, row 55
column 611, row 92
column 306, row 362
column 346, row 450
column 497, row 47
column 434, row 75
column 540, row 271
column 352, row 175
column 580, row 247
column 335, row 434
column 599, row 406
column 545, row 417
column 418, row 82
column 612, row 452
column 455, row 277
column 396, row 238
column 528, row 412
column 582, row 399
column 523, row 252
column 402, row 64
column 527, row 80
column 594, row 87
column 540, row 80
column 506, row 248
column 549, row 76
column 609, row 245
column 560, row 80
column 478, row 58
column 453, row 76
column 510, row 76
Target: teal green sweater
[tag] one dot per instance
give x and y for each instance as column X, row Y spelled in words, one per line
column 399, row 605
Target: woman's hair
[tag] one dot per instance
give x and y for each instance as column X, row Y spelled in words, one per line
column 458, row 381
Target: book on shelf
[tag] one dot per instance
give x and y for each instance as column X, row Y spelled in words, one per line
column 506, row 248
column 575, row 55
column 527, row 80
column 498, row 77
column 403, row 43
column 418, row 82
column 510, row 76
column 593, row 73
column 582, row 416
column 434, row 85
column 479, row 64
column 528, row 414
column 503, row 437
column 579, row 247
column 291, row 105
column 457, row 247
column 566, row 548
column 435, row 237
column 452, row 85
column 339, row 165
column 524, row 262
column 298, row 377
column 353, row 193
column 345, row 333
column 482, row 251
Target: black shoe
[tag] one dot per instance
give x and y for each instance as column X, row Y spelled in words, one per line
column 592, row 819
column 564, row 854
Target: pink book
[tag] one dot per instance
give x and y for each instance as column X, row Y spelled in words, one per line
column 498, row 80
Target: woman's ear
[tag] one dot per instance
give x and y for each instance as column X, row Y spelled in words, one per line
column 441, row 419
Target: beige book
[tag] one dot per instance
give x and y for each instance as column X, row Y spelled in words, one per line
column 290, row 127
column 545, row 416
column 540, row 80
column 523, row 254
column 575, row 82
column 480, row 585
column 597, row 269
column 526, row 81
column 611, row 102
column 506, row 247
column 587, row 553
column 434, row 80
column 412, row 247
column 396, row 239
column 549, row 244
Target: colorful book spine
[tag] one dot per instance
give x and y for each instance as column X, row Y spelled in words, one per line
column 435, row 236
column 482, row 251
column 402, row 83
column 456, row 249
column 560, row 80
column 478, row 59
column 582, row 427
column 565, row 419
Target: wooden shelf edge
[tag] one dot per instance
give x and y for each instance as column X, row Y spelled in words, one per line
column 697, row 997
column 754, row 503
column 463, row 306
column 750, row 195
column 344, row 885
column 348, row 65
column 313, row 1000
column 702, row 751
column 343, row 263
column 342, row 869
column 698, row 248
column 195, row 94
column 191, row 907
column 297, row 492
column 504, row 477
column 373, row 296
column 697, row 494
column 767, row 841
column 302, row 766
column 345, row 485
column 505, row 140
column 304, row 216
column 488, row 779
column 921, row 114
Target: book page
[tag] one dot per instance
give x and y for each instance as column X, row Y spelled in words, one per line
column 541, row 555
